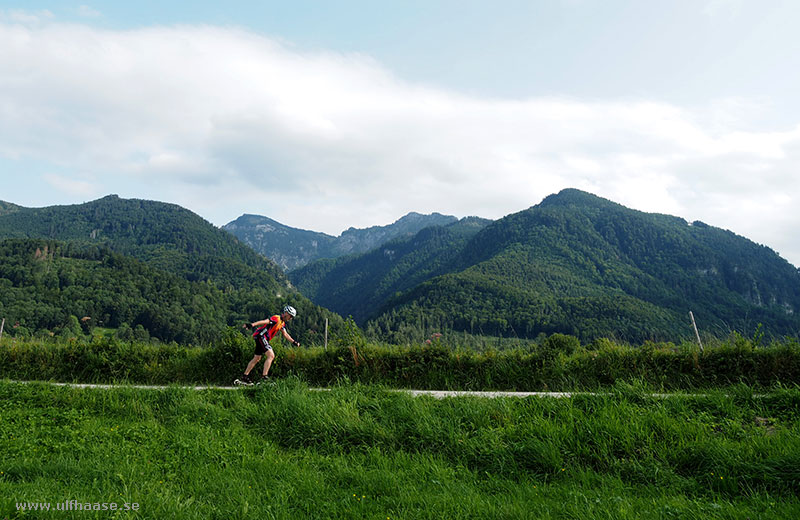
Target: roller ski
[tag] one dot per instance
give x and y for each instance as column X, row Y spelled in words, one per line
column 243, row 380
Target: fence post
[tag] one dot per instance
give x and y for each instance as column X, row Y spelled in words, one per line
column 326, row 333
column 697, row 334
column 1, row 328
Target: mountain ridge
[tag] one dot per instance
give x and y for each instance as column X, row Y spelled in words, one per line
column 292, row 248
column 575, row 263
column 8, row 207
column 401, row 266
column 580, row 264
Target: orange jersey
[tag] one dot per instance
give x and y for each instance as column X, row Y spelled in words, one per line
column 270, row 329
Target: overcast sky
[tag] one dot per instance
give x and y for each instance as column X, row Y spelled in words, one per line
column 330, row 114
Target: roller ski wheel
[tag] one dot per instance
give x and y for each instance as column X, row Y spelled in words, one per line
column 243, row 381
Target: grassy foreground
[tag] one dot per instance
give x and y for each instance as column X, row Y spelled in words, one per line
column 363, row 452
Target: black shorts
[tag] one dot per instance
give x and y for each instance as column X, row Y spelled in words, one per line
column 262, row 345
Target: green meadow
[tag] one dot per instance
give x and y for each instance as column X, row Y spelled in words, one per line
column 363, row 451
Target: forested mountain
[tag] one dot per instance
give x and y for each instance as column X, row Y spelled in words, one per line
column 581, row 265
column 292, row 248
column 575, row 264
column 165, row 236
column 358, row 285
column 205, row 277
column 66, row 288
column 7, row 207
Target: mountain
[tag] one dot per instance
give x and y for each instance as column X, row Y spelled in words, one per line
column 292, row 248
column 7, row 207
column 576, row 264
column 141, row 240
column 359, row 284
column 286, row 246
column 165, row 236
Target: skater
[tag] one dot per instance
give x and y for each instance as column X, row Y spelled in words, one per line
column 265, row 330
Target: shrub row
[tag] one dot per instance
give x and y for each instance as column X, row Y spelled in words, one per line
column 559, row 363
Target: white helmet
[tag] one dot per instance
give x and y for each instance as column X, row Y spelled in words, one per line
column 290, row 310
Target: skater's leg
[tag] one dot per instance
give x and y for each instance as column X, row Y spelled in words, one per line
column 270, row 355
column 252, row 364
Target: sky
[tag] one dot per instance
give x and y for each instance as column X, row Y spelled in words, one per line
column 324, row 115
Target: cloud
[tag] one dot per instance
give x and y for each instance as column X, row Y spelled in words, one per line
column 71, row 186
column 226, row 121
column 23, row 16
column 86, row 11
column 723, row 8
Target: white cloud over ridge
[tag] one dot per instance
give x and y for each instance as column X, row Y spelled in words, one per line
column 225, row 121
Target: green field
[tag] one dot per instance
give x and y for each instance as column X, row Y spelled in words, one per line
column 360, row 451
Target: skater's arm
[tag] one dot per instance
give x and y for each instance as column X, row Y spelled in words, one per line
column 260, row 323
column 289, row 338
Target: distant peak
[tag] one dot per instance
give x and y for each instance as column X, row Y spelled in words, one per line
column 571, row 196
column 8, row 207
column 417, row 216
column 250, row 217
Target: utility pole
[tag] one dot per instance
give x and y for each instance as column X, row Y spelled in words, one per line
column 697, row 334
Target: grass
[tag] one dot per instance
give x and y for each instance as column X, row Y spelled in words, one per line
column 361, row 451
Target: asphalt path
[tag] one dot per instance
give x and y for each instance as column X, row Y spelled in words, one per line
column 438, row 394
